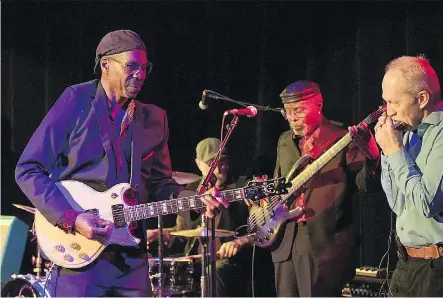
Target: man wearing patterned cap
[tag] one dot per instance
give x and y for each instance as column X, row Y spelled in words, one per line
column 98, row 134
column 314, row 256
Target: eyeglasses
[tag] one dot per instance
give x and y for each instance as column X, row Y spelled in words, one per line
column 299, row 112
column 134, row 67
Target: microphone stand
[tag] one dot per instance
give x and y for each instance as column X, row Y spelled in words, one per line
column 215, row 95
column 201, row 189
column 160, row 255
column 38, row 258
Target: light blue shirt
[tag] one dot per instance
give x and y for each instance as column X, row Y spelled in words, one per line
column 412, row 181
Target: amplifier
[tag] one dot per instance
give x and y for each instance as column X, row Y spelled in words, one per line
column 13, row 236
column 363, row 286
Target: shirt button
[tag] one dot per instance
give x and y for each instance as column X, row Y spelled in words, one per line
column 401, row 228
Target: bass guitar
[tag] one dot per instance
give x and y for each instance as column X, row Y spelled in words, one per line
column 265, row 222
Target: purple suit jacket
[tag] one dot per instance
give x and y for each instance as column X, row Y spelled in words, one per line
column 73, row 142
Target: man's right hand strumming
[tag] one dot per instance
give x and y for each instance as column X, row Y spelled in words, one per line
column 93, row 227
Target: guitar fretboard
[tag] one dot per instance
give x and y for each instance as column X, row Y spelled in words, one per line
column 143, row 211
column 326, row 157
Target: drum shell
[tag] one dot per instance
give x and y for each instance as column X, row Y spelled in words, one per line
column 26, row 286
column 179, row 274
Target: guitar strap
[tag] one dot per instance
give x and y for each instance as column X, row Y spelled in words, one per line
column 134, row 179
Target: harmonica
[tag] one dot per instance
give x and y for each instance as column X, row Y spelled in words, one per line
column 398, row 125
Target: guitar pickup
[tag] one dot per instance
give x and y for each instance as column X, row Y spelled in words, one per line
column 118, row 215
column 92, row 211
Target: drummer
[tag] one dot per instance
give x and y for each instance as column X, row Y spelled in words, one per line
column 234, row 264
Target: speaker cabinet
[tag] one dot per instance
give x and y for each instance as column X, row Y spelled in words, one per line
column 13, row 236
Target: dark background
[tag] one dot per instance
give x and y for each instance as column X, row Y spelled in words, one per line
column 248, row 51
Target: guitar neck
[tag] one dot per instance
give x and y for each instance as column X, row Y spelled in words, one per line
column 326, row 157
column 317, row 165
column 148, row 210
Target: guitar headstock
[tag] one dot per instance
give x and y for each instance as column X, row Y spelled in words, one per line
column 256, row 190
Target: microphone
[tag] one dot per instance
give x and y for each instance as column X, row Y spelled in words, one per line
column 249, row 111
column 202, row 104
column 206, row 95
column 283, row 113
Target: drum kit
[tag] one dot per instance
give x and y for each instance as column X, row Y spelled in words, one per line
column 180, row 275
column 29, row 285
column 26, row 286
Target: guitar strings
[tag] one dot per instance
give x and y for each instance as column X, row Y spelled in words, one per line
column 302, row 176
column 157, row 207
column 305, row 173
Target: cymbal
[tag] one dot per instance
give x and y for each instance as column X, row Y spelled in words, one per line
column 26, row 208
column 195, row 257
column 202, row 232
column 184, row 178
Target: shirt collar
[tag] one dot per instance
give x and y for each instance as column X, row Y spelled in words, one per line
column 436, row 116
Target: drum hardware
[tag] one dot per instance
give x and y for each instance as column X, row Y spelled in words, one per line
column 26, row 286
column 179, row 276
column 202, row 232
column 194, row 257
column 36, row 260
column 160, row 255
column 208, row 240
column 26, row 208
column 30, row 285
column 184, row 178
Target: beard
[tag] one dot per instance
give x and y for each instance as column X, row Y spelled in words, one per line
column 298, row 130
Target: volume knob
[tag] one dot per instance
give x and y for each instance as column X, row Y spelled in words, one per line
column 75, row 246
column 84, row 256
column 60, row 248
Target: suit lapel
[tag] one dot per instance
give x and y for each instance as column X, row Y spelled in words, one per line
column 100, row 109
column 137, row 132
column 136, row 154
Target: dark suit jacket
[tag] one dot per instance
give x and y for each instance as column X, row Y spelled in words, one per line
column 74, row 141
column 329, row 196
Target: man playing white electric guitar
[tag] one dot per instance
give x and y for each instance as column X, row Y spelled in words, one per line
column 98, row 134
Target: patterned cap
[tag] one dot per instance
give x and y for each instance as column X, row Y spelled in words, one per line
column 117, row 42
column 300, row 90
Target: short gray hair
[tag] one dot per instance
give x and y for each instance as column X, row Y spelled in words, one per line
column 418, row 75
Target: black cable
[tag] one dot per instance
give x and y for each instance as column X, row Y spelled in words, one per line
column 386, row 281
column 253, row 256
column 252, row 271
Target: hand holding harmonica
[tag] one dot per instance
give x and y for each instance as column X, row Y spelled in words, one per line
column 388, row 135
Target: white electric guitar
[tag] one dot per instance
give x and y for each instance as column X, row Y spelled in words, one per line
column 73, row 250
